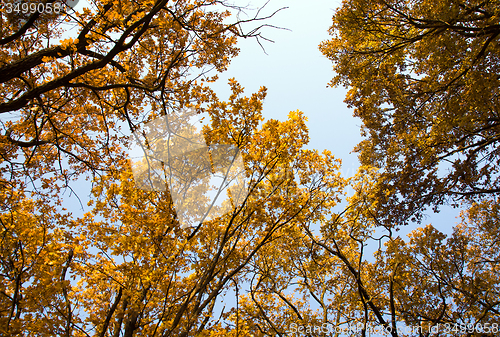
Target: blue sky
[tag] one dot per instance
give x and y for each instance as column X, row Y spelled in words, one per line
column 296, row 75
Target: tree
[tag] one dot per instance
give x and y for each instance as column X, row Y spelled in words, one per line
column 423, row 78
column 69, row 104
column 326, row 284
column 68, row 76
column 128, row 268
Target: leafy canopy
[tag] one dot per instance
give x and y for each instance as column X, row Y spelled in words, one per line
column 73, row 86
column 423, row 78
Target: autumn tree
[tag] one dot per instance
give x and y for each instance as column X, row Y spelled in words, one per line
column 70, row 80
column 423, row 78
column 173, row 278
column 328, row 283
column 127, row 267
column 74, row 87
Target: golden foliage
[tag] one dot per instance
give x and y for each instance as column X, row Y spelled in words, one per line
column 286, row 261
